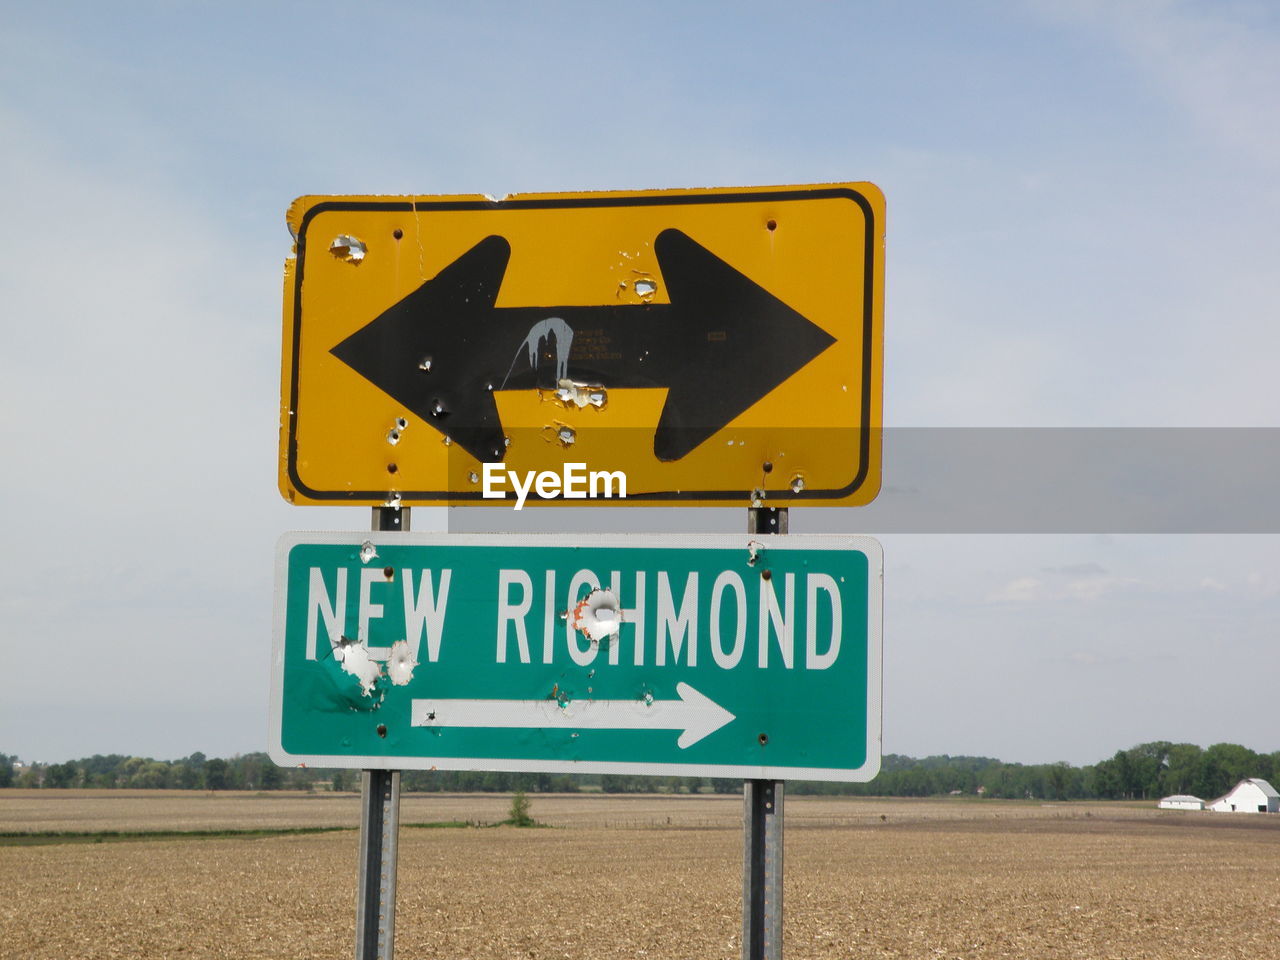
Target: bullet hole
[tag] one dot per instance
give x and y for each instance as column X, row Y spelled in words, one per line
column 393, row 500
column 393, row 437
column 425, row 364
column 438, row 409
column 392, row 468
column 771, row 225
column 382, row 730
column 389, row 572
column 766, row 574
column 763, row 738
column 367, row 551
column 561, row 433
column 401, row 423
column 348, row 249
column 797, row 483
column 400, row 659
column 640, row 289
column 397, row 233
column 598, row 615
column 431, row 715
column 767, row 467
column 570, row 393
column 473, row 477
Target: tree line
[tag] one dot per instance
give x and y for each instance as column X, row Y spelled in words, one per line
column 1147, row 771
column 1144, row 772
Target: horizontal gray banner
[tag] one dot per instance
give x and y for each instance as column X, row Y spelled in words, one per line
column 1001, row 480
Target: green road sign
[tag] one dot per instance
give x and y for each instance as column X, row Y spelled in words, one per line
column 696, row 655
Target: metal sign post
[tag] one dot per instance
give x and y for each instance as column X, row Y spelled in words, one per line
column 376, row 896
column 379, row 829
column 762, row 825
column 762, row 870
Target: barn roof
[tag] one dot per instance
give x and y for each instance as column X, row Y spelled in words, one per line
column 1265, row 787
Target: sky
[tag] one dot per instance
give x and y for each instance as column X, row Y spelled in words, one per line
column 1081, row 234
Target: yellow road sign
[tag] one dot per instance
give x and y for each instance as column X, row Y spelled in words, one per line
column 709, row 346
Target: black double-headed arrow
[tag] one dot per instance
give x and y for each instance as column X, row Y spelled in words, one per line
column 720, row 345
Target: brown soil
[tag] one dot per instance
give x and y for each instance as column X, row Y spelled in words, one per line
column 863, row 879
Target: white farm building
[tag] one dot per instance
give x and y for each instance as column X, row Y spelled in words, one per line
column 1249, row 796
column 1180, row 801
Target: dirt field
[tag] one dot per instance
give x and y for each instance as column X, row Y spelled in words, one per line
column 864, row 878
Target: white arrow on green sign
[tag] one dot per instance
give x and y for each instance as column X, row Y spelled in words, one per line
column 731, row 656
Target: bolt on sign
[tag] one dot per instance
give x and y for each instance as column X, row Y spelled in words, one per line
column 714, row 346
column 699, row 655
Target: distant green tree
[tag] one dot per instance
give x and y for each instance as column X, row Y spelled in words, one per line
column 495, row 781
column 100, row 771
column 518, row 815
column 245, row 772
column 6, row 771
column 1148, row 762
column 152, row 775
column 612, row 783
column 1057, row 778
column 344, row 781
column 1224, row 765
column 1181, row 769
column 215, row 774
column 271, row 777
column 61, row 775
column 621, row 783
column 130, row 768
column 183, row 776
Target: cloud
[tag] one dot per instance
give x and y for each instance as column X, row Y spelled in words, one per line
column 1094, row 588
column 1021, row 590
column 1089, row 569
column 1087, row 586
column 1264, row 583
column 1218, row 62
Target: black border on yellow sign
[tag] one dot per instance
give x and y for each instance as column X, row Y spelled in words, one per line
column 603, row 200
